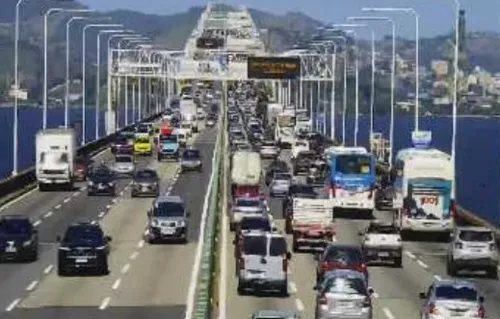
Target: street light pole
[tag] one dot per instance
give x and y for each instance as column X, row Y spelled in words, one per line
column 84, row 73
column 455, row 89
column 417, row 49
column 344, row 98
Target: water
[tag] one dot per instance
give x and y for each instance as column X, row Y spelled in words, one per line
column 478, row 147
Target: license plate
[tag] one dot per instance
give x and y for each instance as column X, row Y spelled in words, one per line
column 10, row 249
column 383, row 254
column 168, row 231
column 144, row 188
column 81, row 260
column 345, row 304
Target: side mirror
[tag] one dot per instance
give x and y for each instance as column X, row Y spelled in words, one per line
column 288, row 255
column 481, row 299
column 108, row 239
column 422, row 295
column 371, row 290
column 58, row 239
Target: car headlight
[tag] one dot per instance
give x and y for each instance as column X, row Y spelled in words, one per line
column 27, row 243
column 181, row 223
column 155, row 223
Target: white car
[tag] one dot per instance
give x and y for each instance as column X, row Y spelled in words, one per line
column 124, row 165
column 382, row 242
column 269, row 149
column 299, row 146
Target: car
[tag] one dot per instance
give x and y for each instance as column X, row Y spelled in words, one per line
column 472, row 248
column 276, row 166
column 18, row 239
column 275, row 314
column 381, row 242
column 250, row 223
column 343, row 294
column 146, row 182
column 280, row 184
column 143, row 145
column 122, row 145
column 303, row 162
column 211, row 121
column 191, row 160
column 83, row 248
column 168, row 220
column 450, row 298
column 82, row 165
column 269, row 149
column 101, row 181
column 124, row 165
column 245, row 207
column 336, row 256
column 263, row 263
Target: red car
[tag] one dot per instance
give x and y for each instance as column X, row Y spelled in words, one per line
column 81, row 168
column 340, row 257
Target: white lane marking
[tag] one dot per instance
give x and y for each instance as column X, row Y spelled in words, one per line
column 146, row 232
column 76, row 194
column 201, row 235
column 58, row 206
column 18, row 199
column 108, row 206
column 116, row 284
column 409, row 254
column 36, row 223
column 438, row 278
column 66, row 200
column 388, row 314
column 140, row 244
column 13, row 304
column 32, row 285
column 422, row 264
column 94, row 222
column 125, row 268
column 134, row 255
column 101, row 214
column 299, row 305
column 84, row 188
column 292, row 287
column 48, row 269
column 105, row 303
column 47, row 215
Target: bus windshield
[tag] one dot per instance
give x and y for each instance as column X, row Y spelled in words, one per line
column 285, row 121
column 353, row 164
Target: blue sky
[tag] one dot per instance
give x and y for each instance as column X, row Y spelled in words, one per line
column 436, row 15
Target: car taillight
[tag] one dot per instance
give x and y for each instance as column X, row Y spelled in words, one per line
column 285, row 263
column 322, row 300
column 325, row 266
column 433, row 310
column 481, row 312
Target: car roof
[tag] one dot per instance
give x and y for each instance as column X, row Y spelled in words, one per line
column 169, row 199
column 344, row 273
column 455, row 282
column 259, row 232
column 343, row 246
column 473, row 228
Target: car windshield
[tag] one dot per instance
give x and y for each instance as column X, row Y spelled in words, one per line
column 344, row 255
column 169, row 209
column 456, row 293
column 283, row 176
column 268, row 144
column 277, row 246
column 146, row 174
column 191, row 154
column 255, row 224
column 382, row 229
column 353, row 164
column 301, row 144
column 83, row 235
column 15, row 227
column 255, row 245
column 121, row 140
column 186, row 125
column 143, row 129
column 124, row 159
column 247, row 203
column 343, row 285
column 168, row 138
column 102, row 174
column 474, row 235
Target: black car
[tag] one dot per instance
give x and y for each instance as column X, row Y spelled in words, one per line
column 275, row 167
column 146, row 183
column 101, row 181
column 83, row 248
column 18, row 239
column 121, row 145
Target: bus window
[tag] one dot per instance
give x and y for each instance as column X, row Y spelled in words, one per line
column 353, row 164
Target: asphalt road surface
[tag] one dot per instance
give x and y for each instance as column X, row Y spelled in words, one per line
column 396, row 289
column 145, row 281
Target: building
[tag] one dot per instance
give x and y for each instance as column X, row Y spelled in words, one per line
column 22, row 94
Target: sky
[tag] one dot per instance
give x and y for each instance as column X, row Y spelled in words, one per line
column 436, row 16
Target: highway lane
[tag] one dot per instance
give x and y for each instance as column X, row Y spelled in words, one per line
column 52, row 216
column 127, row 290
column 396, row 289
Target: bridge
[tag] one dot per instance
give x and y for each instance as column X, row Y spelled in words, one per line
column 197, row 280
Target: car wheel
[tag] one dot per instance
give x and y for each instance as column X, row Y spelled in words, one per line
column 493, row 272
column 284, row 289
column 133, row 194
column 241, row 289
column 62, row 272
column 398, row 262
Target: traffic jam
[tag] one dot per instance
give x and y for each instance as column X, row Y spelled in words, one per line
column 275, row 157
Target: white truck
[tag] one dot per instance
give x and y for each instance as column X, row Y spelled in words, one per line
column 382, row 242
column 246, row 168
column 55, row 156
column 188, row 111
column 273, row 110
column 312, row 223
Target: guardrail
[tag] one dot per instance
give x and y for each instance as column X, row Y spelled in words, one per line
column 204, row 297
column 14, row 186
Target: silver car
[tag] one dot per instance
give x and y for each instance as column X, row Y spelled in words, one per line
column 473, row 248
column 246, row 207
column 343, row 294
column 124, row 165
column 168, row 220
column 191, row 160
column 452, row 298
column 280, row 184
column 269, row 149
column 275, row 314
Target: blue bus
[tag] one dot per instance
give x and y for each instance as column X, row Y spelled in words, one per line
column 352, row 178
